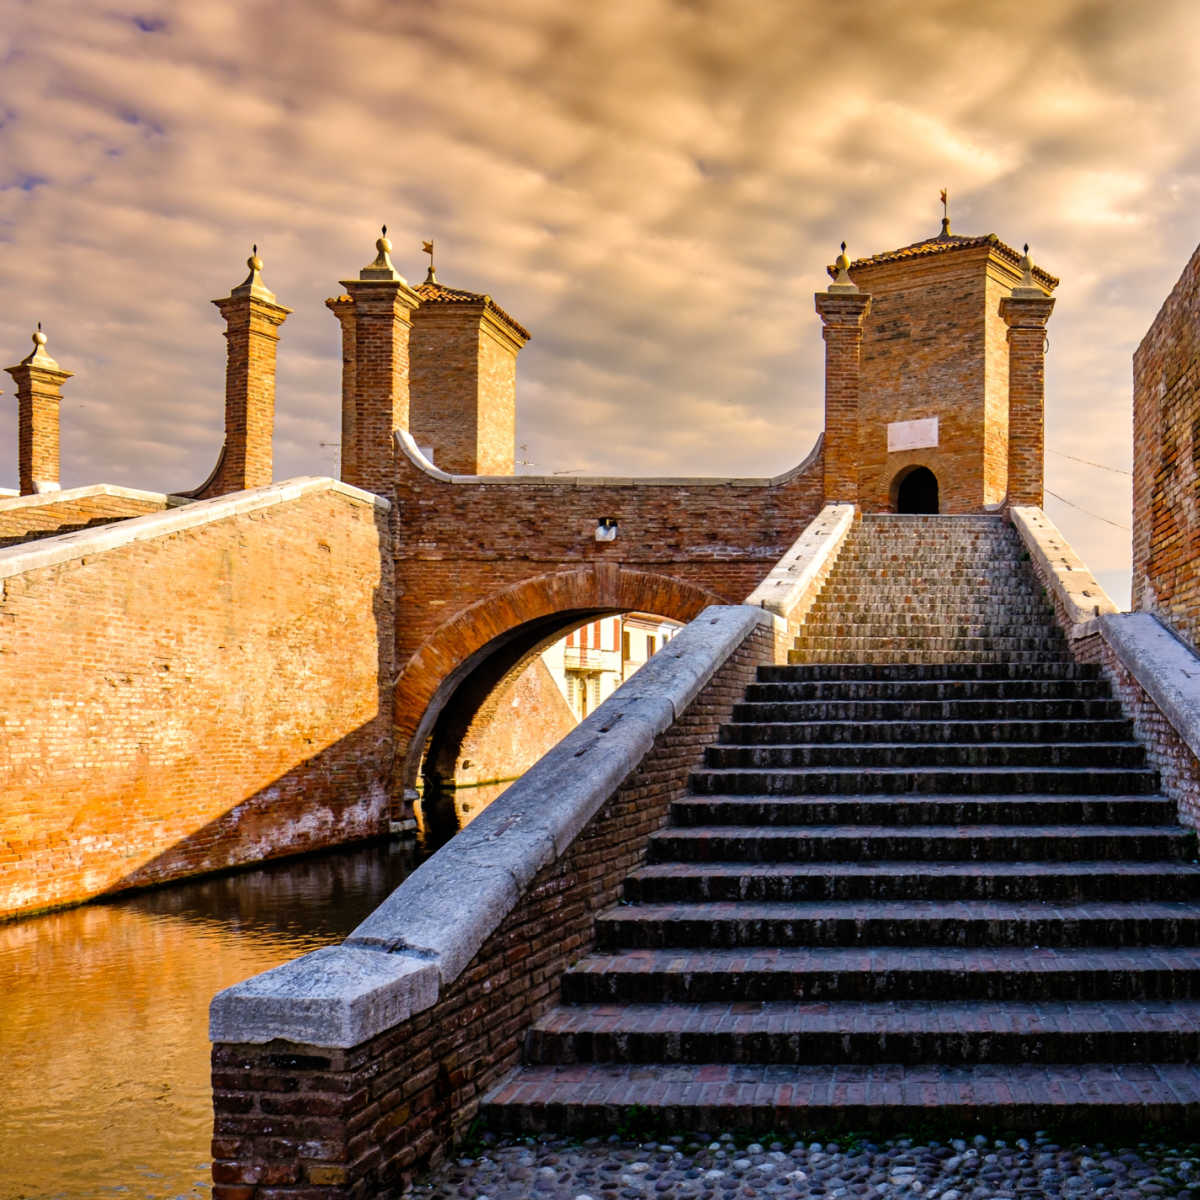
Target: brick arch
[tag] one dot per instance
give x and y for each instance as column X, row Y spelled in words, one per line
column 506, row 626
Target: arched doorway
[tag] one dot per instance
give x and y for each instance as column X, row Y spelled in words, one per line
column 916, row 491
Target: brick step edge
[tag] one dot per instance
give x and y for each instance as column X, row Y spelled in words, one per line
column 588, row 1098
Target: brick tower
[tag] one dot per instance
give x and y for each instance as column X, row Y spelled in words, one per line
column 946, row 315
column 462, row 386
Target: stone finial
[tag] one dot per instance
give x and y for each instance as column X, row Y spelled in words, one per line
column 1028, row 288
column 381, row 267
column 842, row 282
column 253, row 285
column 38, row 357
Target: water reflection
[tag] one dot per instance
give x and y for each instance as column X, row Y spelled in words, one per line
column 442, row 810
column 104, row 1018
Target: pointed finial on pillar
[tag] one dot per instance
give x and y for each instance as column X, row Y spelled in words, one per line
column 253, row 285
column 38, row 357
column 381, row 267
column 841, row 280
column 1028, row 288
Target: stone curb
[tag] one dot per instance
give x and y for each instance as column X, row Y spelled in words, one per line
column 1060, row 568
column 11, row 502
column 50, row 551
column 794, row 577
column 424, row 935
column 1166, row 668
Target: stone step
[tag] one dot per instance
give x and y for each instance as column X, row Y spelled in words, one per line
column 884, row 655
column 917, row 755
column 589, row 1098
column 930, row 843
column 1070, row 882
column 883, row 709
column 885, row 973
column 1016, row 635
column 833, row 1032
column 805, row 672
column 944, row 640
column 776, row 733
column 910, row 923
column 943, row 688
column 690, row 811
column 865, row 781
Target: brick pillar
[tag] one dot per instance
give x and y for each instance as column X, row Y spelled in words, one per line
column 842, row 308
column 382, row 305
column 342, row 307
column 251, row 319
column 1025, row 313
column 38, row 378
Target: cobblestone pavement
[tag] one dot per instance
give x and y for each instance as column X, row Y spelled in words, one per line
column 727, row 1168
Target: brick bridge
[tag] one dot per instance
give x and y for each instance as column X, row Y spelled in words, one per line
column 933, row 402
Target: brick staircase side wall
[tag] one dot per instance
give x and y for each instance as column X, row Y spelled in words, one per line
column 1165, row 749
column 174, row 702
column 310, row 1121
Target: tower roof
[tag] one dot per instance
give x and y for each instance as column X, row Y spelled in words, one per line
column 946, row 243
column 432, row 292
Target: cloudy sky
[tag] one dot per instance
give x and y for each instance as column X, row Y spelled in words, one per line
column 652, row 187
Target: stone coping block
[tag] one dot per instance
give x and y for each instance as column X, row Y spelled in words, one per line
column 409, row 448
column 441, row 915
column 335, row 996
column 1075, row 586
column 793, row 579
column 1167, row 669
column 48, row 552
column 13, row 501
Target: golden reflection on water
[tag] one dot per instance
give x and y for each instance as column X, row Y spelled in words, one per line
column 104, row 1019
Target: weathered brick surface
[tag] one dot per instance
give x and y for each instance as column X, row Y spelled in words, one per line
column 250, row 333
column 359, row 1122
column 38, row 379
column 178, row 705
column 462, row 403
column 843, row 317
column 1166, row 461
column 934, row 346
column 26, row 523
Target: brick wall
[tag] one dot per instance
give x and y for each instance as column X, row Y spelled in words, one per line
column 178, row 704
column 518, row 723
column 313, row 1123
column 459, row 542
column 934, row 346
column 66, row 512
column 1166, row 461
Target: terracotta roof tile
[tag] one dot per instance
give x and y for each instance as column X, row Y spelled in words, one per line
column 942, row 244
column 439, row 293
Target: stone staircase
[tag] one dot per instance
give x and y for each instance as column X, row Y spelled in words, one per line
column 923, row 876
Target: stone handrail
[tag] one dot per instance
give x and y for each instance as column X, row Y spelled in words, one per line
column 1078, row 598
column 794, row 582
column 66, row 547
column 404, row 955
column 10, row 501
column 1167, row 669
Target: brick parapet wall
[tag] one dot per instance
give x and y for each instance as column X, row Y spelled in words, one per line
column 199, row 716
column 1166, row 460
column 51, row 513
column 1166, row 751
column 305, row 1121
column 461, row 539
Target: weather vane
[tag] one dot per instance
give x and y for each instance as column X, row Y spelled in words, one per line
column 945, row 214
column 428, row 248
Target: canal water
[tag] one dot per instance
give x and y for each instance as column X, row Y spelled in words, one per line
column 104, row 1018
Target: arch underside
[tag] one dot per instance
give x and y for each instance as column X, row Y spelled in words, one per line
column 454, row 671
